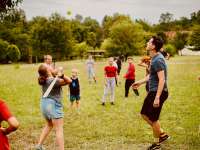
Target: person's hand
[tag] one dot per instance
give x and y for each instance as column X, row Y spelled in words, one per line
column 156, row 102
column 136, row 85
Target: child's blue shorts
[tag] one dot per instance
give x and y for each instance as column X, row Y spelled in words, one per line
column 74, row 97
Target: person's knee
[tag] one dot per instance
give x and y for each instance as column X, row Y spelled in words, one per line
column 155, row 122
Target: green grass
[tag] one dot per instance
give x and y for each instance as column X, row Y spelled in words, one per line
column 118, row 127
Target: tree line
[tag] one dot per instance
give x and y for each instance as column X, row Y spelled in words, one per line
column 66, row 38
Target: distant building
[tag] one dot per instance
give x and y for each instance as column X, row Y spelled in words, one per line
column 186, row 51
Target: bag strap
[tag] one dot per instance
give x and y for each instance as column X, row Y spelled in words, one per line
column 50, row 88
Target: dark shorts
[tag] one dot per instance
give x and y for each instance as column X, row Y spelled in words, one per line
column 148, row 110
column 74, row 98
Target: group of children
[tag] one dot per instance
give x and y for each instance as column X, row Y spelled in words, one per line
column 111, row 78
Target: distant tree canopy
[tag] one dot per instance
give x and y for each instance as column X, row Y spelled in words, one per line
column 65, row 37
column 195, row 38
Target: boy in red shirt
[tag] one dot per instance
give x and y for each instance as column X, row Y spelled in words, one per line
column 110, row 75
column 130, row 77
column 5, row 115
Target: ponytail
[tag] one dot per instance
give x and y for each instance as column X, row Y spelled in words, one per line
column 41, row 80
column 43, row 74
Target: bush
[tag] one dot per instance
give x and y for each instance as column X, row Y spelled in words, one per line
column 13, row 53
column 169, row 48
column 3, row 50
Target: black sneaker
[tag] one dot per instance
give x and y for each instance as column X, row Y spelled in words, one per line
column 164, row 138
column 103, row 104
column 154, row 146
column 112, row 103
column 136, row 92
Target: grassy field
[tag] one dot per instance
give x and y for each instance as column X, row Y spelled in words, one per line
column 118, row 127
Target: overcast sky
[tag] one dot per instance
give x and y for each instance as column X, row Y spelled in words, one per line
column 149, row 10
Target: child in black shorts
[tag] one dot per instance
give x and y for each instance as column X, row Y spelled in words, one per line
column 74, row 89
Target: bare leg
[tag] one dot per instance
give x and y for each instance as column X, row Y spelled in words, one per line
column 156, row 129
column 72, row 105
column 45, row 132
column 78, row 105
column 147, row 120
column 150, row 123
column 58, row 124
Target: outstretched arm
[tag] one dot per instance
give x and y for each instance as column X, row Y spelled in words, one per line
column 13, row 125
column 140, row 82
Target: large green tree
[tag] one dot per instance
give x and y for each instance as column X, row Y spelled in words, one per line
column 52, row 35
column 126, row 38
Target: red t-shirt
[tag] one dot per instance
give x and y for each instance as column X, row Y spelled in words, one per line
column 4, row 116
column 110, row 71
column 131, row 72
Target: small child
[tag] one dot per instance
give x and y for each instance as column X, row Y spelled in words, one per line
column 130, row 77
column 110, row 76
column 90, row 69
column 74, row 89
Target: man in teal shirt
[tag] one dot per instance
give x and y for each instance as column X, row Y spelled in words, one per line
column 158, row 91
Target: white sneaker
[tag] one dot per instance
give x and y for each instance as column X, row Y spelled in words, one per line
column 39, row 147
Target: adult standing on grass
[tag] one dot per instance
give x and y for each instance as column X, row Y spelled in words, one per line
column 110, row 73
column 158, row 91
column 119, row 65
column 116, row 66
column 51, row 105
column 13, row 124
column 164, row 53
column 130, row 77
column 48, row 62
column 90, row 69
